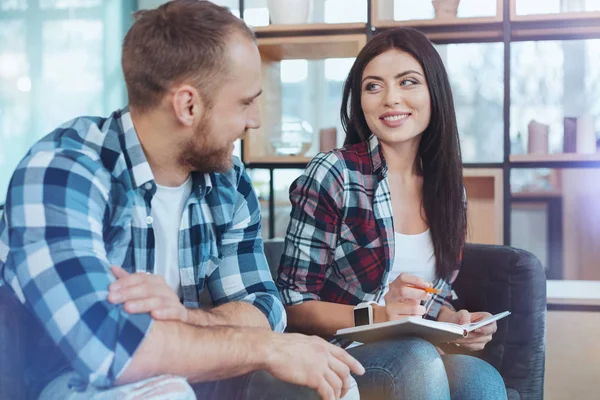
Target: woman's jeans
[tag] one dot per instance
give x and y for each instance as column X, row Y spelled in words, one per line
column 413, row 369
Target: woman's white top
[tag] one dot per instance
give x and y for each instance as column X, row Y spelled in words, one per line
column 414, row 255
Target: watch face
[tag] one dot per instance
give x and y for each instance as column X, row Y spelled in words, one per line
column 361, row 316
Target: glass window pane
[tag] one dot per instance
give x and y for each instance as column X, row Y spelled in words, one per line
column 62, row 4
column 72, row 71
column 476, row 72
column 256, row 12
column 15, row 99
column 529, row 7
column 555, row 215
column 567, row 87
column 405, row 10
column 340, row 11
column 312, row 92
column 7, row 5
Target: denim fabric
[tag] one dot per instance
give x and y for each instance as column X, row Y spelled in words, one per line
column 413, row 369
column 258, row 385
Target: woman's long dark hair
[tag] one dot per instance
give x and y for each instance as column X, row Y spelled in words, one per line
column 439, row 157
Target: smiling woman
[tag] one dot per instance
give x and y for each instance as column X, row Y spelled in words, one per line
column 382, row 221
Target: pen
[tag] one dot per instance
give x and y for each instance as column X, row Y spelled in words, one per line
column 428, row 290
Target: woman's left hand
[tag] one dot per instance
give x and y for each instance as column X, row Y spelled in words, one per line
column 478, row 338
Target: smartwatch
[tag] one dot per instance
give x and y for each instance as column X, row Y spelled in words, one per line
column 363, row 313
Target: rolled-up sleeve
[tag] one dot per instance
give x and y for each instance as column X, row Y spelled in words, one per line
column 243, row 274
column 55, row 212
column 312, row 234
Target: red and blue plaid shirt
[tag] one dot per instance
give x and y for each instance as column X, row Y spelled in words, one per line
column 340, row 241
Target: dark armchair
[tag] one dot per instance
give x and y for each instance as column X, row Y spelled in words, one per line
column 495, row 279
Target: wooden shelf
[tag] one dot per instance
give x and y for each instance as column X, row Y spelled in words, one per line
column 440, row 23
column 451, row 30
column 311, row 47
column 536, row 194
column 557, row 157
column 484, row 205
column 278, row 160
column 314, row 29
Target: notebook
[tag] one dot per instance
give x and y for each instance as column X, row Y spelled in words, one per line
column 433, row 331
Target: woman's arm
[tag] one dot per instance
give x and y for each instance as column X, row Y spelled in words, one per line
column 319, row 317
column 325, row 319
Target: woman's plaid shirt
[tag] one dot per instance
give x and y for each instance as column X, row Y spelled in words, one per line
column 340, row 241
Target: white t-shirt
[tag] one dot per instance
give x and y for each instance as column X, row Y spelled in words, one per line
column 414, row 254
column 168, row 204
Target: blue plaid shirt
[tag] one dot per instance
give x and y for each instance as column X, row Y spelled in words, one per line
column 79, row 202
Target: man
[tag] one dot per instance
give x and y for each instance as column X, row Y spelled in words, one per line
column 114, row 226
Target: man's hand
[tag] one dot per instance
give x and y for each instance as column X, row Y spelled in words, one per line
column 404, row 298
column 146, row 293
column 311, row 361
column 478, row 338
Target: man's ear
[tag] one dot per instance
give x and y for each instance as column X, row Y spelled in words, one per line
column 187, row 104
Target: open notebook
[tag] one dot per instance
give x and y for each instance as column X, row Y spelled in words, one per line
column 433, row 331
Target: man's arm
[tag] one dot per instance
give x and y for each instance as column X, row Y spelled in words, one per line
column 208, row 354
column 237, row 313
column 55, row 213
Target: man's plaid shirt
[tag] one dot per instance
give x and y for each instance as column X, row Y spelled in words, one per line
column 79, row 202
column 340, row 244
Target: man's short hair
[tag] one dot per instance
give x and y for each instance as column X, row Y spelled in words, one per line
column 180, row 41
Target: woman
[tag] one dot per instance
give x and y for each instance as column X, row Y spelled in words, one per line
column 384, row 218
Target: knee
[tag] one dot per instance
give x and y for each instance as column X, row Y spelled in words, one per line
column 405, row 368
column 262, row 385
column 473, row 378
column 415, row 354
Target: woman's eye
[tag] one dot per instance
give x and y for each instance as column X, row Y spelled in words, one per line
column 408, row 82
column 372, row 86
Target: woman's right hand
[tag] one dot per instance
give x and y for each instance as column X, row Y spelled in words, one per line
column 404, row 298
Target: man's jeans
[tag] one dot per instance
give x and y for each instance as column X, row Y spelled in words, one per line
column 413, row 369
column 255, row 386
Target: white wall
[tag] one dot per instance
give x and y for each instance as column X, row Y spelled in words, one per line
column 572, row 356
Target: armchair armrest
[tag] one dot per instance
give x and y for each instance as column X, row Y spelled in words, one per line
column 500, row 278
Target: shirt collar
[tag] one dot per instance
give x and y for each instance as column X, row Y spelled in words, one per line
column 138, row 166
column 376, row 156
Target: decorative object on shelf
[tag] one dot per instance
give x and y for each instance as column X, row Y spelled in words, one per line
column 570, row 135
column 598, row 144
column 327, row 139
column 537, row 141
column 289, row 11
column 292, row 137
column 445, row 9
column 586, row 135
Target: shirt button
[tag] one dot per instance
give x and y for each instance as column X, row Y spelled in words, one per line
column 149, row 220
column 148, row 186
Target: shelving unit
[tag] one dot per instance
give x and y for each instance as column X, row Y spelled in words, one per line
column 488, row 184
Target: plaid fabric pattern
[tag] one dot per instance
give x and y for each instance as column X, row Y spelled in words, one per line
column 340, row 240
column 79, row 202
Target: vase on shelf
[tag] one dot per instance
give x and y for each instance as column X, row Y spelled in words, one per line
column 537, row 137
column 445, row 9
column 570, row 135
column 289, row 11
column 291, row 137
column 586, row 135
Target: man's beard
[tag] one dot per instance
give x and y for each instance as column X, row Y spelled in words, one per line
column 201, row 154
